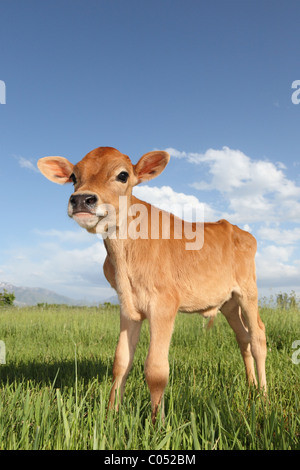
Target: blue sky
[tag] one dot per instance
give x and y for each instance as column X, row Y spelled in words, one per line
column 208, row 80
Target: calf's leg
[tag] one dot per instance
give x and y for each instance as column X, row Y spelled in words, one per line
column 129, row 336
column 256, row 330
column 232, row 313
column 157, row 363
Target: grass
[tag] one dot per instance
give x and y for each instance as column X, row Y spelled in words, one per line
column 55, row 385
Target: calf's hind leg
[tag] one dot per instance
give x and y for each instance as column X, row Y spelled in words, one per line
column 256, row 330
column 232, row 313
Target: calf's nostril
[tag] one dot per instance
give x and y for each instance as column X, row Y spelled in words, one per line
column 73, row 201
column 91, row 200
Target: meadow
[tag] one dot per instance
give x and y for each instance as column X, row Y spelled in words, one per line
column 55, row 384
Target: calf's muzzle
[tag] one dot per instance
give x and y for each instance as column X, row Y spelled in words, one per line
column 83, row 202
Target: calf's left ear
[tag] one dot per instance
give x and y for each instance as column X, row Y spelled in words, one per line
column 151, row 165
column 56, row 169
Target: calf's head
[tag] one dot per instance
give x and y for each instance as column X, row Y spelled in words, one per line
column 99, row 180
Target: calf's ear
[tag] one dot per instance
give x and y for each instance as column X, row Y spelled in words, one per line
column 151, row 165
column 56, row 169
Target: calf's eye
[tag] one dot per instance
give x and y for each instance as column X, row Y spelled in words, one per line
column 123, row 176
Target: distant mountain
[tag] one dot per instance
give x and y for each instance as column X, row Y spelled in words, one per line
column 34, row 295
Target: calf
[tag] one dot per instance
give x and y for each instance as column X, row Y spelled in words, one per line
column 155, row 276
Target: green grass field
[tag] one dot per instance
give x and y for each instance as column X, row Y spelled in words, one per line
column 55, row 385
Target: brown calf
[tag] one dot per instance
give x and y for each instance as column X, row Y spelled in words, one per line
column 159, row 275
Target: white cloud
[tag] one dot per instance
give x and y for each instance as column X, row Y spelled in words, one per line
column 176, row 153
column 255, row 190
column 277, row 253
column 275, row 267
column 25, row 163
column 280, row 236
column 229, row 168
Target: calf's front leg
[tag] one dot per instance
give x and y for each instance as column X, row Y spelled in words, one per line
column 129, row 336
column 157, row 363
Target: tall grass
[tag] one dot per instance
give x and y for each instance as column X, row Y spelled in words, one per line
column 55, row 385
